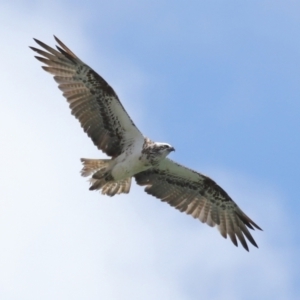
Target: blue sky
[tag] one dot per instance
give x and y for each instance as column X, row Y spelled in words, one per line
column 220, row 82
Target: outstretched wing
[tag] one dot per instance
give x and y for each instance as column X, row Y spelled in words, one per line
column 92, row 101
column 199, row 196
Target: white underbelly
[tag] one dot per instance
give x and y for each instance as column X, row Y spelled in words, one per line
column 128, row 167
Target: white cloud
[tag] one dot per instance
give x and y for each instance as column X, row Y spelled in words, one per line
column 60, row 241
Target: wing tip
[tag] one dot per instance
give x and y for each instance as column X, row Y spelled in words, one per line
column 247, row 221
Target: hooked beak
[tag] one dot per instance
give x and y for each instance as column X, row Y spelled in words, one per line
column 171, row 149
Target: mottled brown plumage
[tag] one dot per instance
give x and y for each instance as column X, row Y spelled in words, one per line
column 91, row 99
column 101, row 115
column 199, row 196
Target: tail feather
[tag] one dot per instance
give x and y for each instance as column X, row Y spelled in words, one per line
column 101, row 178
column 113, row 188
column 91, row 166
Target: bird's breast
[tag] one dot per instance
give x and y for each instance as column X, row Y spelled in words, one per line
column 129, row 164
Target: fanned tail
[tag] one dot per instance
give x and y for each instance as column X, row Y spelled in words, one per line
column 91, row 166
column 111, row 188
column 101, row 178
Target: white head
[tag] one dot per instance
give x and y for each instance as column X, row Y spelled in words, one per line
column 162, row 150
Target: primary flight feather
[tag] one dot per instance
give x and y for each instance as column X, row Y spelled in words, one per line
column 102, row 116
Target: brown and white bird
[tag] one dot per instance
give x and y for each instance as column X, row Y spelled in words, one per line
column 102, row 116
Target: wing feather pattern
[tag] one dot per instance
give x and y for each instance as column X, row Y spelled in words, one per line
column 91, row 99
column 199, row 196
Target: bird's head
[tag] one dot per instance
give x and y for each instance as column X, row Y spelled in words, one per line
column 154, row 152
column 162, row 150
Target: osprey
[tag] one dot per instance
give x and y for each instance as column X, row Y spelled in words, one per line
column 102, row 116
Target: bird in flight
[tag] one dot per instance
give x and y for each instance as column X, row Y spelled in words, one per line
column 102, row 116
